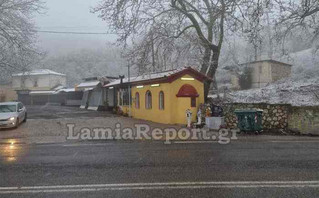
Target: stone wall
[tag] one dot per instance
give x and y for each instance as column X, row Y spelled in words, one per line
column 275, row 116
column 304, row 120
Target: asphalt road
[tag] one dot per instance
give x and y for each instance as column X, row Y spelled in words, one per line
column 152, row 169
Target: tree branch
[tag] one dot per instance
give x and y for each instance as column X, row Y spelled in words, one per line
column 182, row 32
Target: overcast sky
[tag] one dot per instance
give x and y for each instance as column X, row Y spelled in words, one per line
column 74, row 16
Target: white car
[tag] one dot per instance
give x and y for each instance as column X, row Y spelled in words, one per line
column 12, row 114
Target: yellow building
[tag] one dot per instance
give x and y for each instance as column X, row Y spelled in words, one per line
column 160, row 97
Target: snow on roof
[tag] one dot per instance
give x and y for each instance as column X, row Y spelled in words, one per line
column 39, row 72
column 266, row 60
column 89, row 84
column 145, row 77
column 66, row 90
column 58, row 88
column 8, row 103
column 42, row 92
column 88, row 89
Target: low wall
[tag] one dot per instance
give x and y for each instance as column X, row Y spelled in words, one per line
column 304, row 120
column 275, row 116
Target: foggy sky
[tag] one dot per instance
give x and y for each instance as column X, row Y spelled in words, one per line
column 70, row 15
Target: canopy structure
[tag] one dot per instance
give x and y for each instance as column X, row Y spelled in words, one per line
column 88, row 85
column 187, row 91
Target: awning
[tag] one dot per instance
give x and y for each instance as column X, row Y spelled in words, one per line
column 187, row 91
column 90, row 84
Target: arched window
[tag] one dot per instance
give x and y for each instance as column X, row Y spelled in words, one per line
column 161, row 100
column 137, row 100
column 148, row 100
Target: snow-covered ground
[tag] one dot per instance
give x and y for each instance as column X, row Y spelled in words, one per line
column 301, row 89
column 297, row 92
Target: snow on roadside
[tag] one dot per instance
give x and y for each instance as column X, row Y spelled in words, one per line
column 301, row 92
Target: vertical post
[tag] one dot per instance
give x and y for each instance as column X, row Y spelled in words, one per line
column 129, row 89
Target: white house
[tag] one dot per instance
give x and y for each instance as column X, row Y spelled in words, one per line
column 40, row 79
column 34, row 87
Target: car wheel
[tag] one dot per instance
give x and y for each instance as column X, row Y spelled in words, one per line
column 25, row 118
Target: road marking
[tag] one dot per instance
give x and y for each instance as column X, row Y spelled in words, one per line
column 194, row 142
column 296, row 141
column 158, row 186
column 81, row 144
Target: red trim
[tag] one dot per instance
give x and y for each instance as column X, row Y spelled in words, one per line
column 187, row 90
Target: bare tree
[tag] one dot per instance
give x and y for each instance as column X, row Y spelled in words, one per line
column 207, row 18
column 86, row 63
column 17, row 34
column 292, row 17
column 155, row 52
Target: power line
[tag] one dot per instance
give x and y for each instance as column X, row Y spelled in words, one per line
column 63, row 32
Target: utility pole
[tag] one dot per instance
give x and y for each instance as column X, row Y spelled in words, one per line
column 129, row 88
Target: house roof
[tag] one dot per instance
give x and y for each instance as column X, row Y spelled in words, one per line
column 100, row 77
column 267, row 60
column 161, row 77
column 67, row 90
column 9, row 103
column 89, row 84
column 39, row 72
column 42, row 92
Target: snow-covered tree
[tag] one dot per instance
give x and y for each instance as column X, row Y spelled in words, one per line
column 17, row 35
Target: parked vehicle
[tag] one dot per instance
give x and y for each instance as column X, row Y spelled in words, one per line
column 12, row 114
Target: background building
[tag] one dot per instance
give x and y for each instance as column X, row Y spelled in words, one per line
column 36, row 86
column 40, row 79
column 263, row 72
column 94, row 95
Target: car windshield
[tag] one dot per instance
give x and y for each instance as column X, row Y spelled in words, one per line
column 8, row 108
